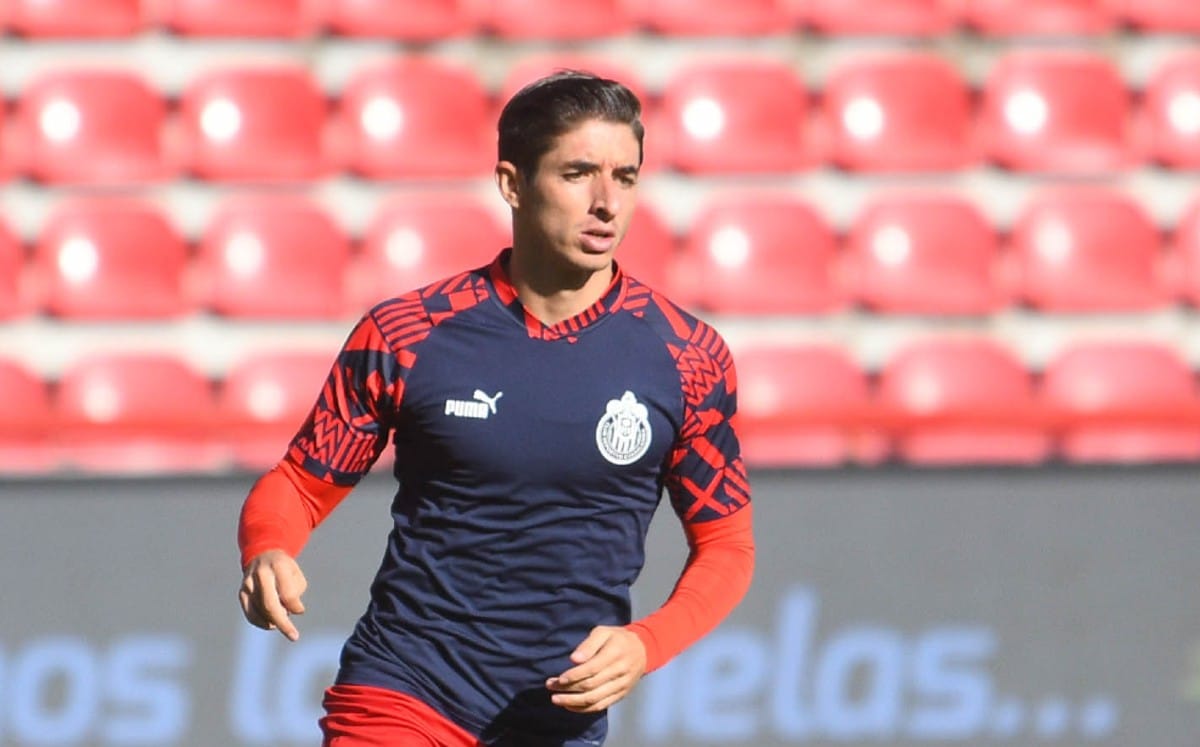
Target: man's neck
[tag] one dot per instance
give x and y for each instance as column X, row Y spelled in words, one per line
column 552, row 294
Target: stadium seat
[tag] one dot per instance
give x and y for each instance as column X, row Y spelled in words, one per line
column 110, row 259
column 416, row 117
column 416, row 240
column 1064, row 112
column 804, row 405
column 15, row 299
column 555, row 20
column 91, row 126
column 43, row 19
column 924, row 254
column 402, row 20
column 254, row 124
column 760, row 254
column 737, row 116
column 264, row 399
column 648, row 251
column 242, row 18
column 1171, row 112
column 1064, row 18
column 900, row 112
column 956, row 400
column 272, row 257
column 1160, row 16
column 25, row 429
column 1120, row 401
column 744, row 18
column 1085, row 250
column 899, row 18
column 136, row 413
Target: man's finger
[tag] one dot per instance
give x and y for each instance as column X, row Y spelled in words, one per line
column 268, row 598
column 591, row 645
column 291, row 587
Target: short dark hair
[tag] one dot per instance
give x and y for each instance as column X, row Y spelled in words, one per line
column 550, row 106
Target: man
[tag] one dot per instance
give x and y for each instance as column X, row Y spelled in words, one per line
column 538, row 407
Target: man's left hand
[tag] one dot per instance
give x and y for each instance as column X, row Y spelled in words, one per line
column 609, row 662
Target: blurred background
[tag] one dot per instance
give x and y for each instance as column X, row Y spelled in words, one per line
column 954, row 245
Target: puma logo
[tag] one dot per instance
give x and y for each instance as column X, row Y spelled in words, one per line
column 479, row 408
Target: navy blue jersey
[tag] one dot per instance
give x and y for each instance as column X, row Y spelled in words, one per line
column 530, row 460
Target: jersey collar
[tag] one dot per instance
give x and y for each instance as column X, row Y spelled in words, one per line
column 506, row 293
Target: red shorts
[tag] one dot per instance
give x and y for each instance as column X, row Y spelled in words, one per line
column 362, row 716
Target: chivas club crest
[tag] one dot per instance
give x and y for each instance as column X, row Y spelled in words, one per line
column 623, row 433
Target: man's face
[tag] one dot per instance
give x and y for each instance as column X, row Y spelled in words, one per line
column 576, row 208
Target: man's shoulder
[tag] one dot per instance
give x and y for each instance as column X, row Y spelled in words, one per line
column 679, row 328
column 421, row 309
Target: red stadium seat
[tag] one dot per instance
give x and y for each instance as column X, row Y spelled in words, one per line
column 245, row 18
column 416, row 117
column 136, row 413
column 924, row 255
column 739, row 116
column 961, row 401
column 91, row 126
column 75, row 18
column 1039, row 17
column 254, row 124
column 900, row 112
column 1088, row 250
column 1160, row 16
column 264, row 399
column 1123, row 402
column 273, row 257
column 557, row 20
column 1057, row 111
column 876, row 17
column 15, row 298
column 746, row 18
column 648, row 251
column 804, row 405
column 1171, row 112
column 760, row 254
column 416, row 240
column 110, row 259
column 403, row 20
column 25, row 445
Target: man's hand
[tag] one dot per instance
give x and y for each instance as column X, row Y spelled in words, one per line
column 609, row 662
column 271, row 590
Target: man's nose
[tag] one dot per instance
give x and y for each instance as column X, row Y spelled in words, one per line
column 605, row 199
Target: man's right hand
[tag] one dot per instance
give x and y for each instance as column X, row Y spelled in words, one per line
column 271, row 590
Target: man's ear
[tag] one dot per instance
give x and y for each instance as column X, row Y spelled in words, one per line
column 508, row 180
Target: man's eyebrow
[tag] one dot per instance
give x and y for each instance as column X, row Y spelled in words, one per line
column 581, row 165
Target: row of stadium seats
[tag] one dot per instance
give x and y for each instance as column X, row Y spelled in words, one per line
column 1071, row 250
column 412, row 117
column 937, row 401
column 430, row 20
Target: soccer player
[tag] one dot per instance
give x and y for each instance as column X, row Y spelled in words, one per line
column 537, row 408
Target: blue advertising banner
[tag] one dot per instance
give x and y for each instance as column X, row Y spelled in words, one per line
column 890, row 607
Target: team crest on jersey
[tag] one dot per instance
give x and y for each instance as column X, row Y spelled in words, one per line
column 623, row 433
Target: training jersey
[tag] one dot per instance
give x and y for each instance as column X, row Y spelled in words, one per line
column 530, row 460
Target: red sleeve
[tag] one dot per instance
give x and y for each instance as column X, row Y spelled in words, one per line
column 714, row 580
column 283, row 508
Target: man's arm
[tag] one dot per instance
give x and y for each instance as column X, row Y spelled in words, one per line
column 714, row 580
column 279, row 514
column 342, row 436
